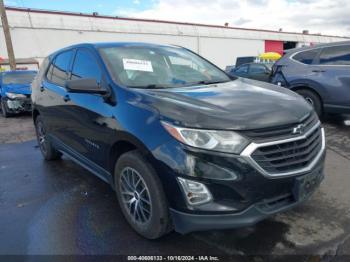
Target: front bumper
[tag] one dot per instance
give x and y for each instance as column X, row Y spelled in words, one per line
column 18, row 105
column 190, row 222
column 241, row 194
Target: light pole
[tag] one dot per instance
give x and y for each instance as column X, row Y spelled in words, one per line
column 7, row 34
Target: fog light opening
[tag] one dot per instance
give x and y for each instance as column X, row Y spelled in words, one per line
column 196, row 193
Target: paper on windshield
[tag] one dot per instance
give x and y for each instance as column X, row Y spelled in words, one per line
column 138, row 65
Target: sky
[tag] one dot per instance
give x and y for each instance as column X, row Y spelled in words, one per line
column 327, row 17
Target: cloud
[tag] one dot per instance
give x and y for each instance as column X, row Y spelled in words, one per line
column 318, row 16
column 241, row 21
column 11, row 2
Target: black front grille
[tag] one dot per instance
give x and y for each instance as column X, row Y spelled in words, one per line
column 289, row 156
column 281, row 132
column 276, row 202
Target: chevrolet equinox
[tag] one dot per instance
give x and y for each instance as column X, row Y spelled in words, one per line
column 183, row 145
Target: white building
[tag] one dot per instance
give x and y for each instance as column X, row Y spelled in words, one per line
column 37, row 33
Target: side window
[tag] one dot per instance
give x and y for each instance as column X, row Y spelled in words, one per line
column 257, row 69
column 306, row 57
column 336, row 55
column 242, row 69
column 57, row 72
column 85, row 66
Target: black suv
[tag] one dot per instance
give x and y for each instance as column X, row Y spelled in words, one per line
column 321, row 74
column 183, row 145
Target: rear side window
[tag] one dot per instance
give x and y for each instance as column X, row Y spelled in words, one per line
column 335, row 55
column 306, row 57
column 242, row 69
column 257, row 69
column 85, row 66
column 58, row 70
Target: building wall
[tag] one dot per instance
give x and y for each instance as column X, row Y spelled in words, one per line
column 37, row 34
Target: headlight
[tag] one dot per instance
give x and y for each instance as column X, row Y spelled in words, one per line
column 216, row 140
column 14, row 96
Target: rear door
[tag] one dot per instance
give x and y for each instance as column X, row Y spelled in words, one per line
column 332, row 71
column 52, row 94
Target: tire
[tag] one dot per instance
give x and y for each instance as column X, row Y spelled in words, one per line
column 151, row 220
column 4, row 111
column 312, row 98
column 47, row 149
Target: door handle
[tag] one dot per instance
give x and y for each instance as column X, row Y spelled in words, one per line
column 318, row 71
column 42, row 88
column 66, row 98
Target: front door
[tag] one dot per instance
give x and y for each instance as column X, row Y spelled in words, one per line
column 91, row 127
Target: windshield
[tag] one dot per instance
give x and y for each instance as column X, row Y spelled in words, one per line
column 159, row 67
column 26, row 78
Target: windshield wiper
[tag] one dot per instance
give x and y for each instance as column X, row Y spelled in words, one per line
column 151, row 86
column 209, row 82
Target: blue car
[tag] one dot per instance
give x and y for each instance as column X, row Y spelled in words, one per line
column 320, row 74
column 15, row 91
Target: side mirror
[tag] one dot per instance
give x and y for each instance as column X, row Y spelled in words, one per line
column 85, row 85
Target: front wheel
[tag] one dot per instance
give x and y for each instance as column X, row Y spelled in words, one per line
column 313, row 99
column 4, row 110
column 141, row 196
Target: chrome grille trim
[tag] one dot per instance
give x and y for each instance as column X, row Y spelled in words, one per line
column 249, row 150
column 280, row 132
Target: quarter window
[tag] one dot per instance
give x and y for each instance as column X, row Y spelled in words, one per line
column 85, row 66
column 58, row 70
column 336, row 55
column 306, row 57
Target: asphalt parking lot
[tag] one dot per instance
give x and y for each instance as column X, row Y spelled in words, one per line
column 60, row 208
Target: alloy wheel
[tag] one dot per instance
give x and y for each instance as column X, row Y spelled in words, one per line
column 309, row 100
column 135, row 195
column 41, row 136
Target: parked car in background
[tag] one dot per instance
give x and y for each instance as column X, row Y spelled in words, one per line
column 256, row 71
column 245, row 60
column 182, row 144
column 15, row 91
column 321, row 74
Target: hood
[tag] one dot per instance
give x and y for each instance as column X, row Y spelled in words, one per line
column 24, row 89
column 242, row 104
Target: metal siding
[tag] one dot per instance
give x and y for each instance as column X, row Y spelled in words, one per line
column 225, row 51
column 37, row 34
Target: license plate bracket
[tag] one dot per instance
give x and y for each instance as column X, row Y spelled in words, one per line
column 306, row 184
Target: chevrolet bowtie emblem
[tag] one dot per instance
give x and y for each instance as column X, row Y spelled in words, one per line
column 299, row 129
